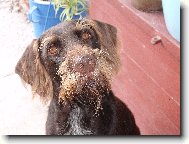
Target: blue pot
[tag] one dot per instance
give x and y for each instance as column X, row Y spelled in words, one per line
column 42, row 15
column 171, row 10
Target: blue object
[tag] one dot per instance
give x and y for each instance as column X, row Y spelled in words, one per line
column 42, row 15
column 171, row 10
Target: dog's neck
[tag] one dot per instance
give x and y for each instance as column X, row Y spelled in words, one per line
column 77, row 118
column 76, row 122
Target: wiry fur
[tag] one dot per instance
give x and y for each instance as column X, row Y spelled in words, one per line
column 82, row 102
column 32, row 72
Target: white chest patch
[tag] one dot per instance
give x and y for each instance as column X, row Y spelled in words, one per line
column 75, row 124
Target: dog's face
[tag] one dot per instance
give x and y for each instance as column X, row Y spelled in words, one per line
column 76, row 56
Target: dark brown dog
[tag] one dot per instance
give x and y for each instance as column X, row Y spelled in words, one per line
column 72, row 65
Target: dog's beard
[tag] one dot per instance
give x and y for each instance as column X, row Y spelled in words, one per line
column 88, row 89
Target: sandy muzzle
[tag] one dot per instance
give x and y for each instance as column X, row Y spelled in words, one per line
column 73, row 83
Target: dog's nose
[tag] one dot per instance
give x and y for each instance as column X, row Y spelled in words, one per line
column 85, row 64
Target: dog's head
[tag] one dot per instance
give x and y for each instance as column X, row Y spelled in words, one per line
column 70, row 58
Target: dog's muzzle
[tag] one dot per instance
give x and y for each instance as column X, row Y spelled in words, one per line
column 81, row 60
column 84, row 64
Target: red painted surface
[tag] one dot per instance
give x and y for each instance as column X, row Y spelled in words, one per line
column 149, row 79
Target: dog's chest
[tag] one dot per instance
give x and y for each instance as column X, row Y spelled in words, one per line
column 75, row 122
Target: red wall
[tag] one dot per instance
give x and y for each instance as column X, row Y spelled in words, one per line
column 149, row 79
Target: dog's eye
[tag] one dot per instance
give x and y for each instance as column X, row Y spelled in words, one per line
column 86, row 35
column 52, row 50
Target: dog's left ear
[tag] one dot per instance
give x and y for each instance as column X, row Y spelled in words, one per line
column 30, row 69
column 109, row 32
column 109, row 41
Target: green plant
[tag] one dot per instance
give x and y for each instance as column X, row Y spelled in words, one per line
column 71, row 8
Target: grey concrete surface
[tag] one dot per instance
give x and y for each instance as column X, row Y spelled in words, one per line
column 19, row 113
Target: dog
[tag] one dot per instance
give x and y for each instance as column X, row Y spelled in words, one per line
column 71, row 65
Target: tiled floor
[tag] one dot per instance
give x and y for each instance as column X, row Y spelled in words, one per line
column 19, row 114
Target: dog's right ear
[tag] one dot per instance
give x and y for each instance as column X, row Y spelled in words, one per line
column 30, row 69
column 25, row 67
